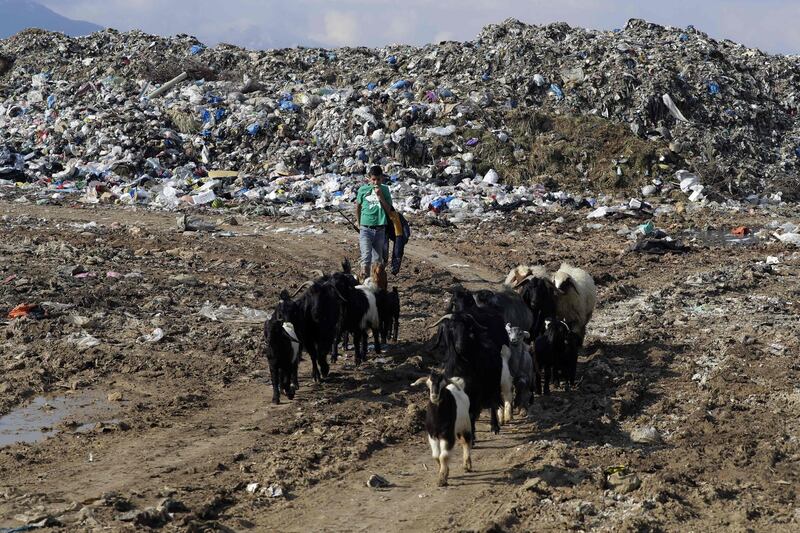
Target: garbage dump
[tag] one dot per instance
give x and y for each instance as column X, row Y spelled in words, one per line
column 516, row 113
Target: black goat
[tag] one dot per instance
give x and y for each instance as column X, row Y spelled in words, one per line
column 539, row 295
column 472, row 352
column 314, row 316
column 555, row 355
column 283, row 355
column 388, row 303
column 508, row 304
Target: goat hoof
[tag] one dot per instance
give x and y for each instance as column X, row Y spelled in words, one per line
column 442, row 482
column 276, row 401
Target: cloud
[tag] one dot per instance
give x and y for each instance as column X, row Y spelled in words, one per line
column 339, row 28
column 768, row 24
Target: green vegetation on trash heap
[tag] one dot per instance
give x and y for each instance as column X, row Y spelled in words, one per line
column 576, row 150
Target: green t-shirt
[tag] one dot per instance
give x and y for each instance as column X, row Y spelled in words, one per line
column 372, row 213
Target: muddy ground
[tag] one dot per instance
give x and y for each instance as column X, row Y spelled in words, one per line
column 175, row 434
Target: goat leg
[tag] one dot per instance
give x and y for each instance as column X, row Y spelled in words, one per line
column 376, row 335
column 495, row 423
column 274, row 373
column 548, row 374
column 312, row 354
column 335, row 348
column 357, row 347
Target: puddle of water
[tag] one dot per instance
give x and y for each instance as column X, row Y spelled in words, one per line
column 39, row 419
column 720, row 237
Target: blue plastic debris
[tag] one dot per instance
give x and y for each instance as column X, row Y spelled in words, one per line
column 371, row 86
column 51, row 101
column 556, row 91
column 337, row 193
column 441, row 203
column 684, row 37
column 485, row 76
column 205, row 115
column 713, row 87
column 446, row 93
column 472, row 142
column 617, row 30
column 219, row 114
column 797, row 151
column 253, row 129
column 205, row 133
column 394, row 177
column 392, row 60
column 214, row 99
column 196, row 49
column 288, row 105
column 401, row 84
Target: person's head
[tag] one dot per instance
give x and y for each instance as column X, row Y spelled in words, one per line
column 375, row 175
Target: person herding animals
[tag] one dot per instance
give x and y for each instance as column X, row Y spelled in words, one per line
column 373, row 208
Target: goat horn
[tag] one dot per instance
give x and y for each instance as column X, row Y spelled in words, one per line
column 445, row 317
column 319, row 273
column 523, row 280
column 475, row 321
column 339, row 294
column 301, row 287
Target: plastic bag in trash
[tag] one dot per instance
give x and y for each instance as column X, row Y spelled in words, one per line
column 233, row 314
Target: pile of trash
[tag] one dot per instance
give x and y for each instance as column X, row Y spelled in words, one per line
column 510, row 120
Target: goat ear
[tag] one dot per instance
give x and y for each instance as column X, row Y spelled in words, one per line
column 508, row 327
column 526, row 335
column 284, row 295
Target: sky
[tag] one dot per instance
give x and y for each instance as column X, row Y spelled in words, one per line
column 765, row 24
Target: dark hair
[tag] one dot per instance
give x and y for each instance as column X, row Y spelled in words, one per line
column 375, row 170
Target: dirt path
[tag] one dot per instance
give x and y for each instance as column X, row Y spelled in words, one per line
column 700, row 346
column 413, row 502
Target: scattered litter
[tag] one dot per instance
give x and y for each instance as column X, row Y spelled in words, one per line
column 232, row 314
column 377, row 482
column 82, row 341
column 28, row 310
column 274, row 491
column 153, row 337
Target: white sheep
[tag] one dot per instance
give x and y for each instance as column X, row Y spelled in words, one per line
column 522, row 272
column 576, row 296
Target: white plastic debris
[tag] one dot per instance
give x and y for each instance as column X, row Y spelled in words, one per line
column 600, row 212
column 82, row 341
column 155, row 336
column 442, row 131
column 232, row 314
column 673, row 108
column 687, row 180
column 491, row 177
column 790, row 238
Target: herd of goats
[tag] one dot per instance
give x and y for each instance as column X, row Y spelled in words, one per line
column 497, row 347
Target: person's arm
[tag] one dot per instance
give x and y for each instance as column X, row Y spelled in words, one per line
column 386, row 206
column 358, row 211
